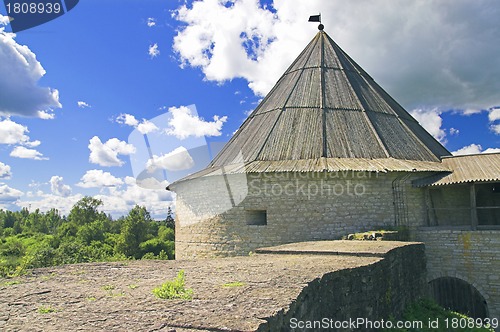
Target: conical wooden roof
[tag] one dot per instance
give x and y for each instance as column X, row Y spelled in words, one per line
column 326, row 105
column 327, row 114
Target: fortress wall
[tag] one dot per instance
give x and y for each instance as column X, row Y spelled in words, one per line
column 468, row 255
column 371, row 292
column 212, row 212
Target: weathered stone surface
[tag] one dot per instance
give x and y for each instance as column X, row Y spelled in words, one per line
column 117, row 296
column 468, row 255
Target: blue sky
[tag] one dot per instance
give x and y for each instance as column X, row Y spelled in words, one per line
column 112, row 67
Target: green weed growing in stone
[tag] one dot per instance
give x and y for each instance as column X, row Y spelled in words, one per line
column 174, row 289
column 46, row 310
column 233, row 284
column 108, row 287
column 10, row 283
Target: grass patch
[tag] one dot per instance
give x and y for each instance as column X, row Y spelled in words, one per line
column 10, row 283
column 234, row 284
column 174, row 289
column 437, row 319
column 108, row 287
column 133, row 286
column 46, row 310
column 91, row 299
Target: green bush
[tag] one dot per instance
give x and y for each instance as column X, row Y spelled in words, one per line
column 174, row 289
column 427, row 311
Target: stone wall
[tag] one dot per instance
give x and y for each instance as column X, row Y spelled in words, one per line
column 468, row 255
column 373, row 292
column 212, row 212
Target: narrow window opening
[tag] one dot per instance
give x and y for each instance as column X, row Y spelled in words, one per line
column 256, row 217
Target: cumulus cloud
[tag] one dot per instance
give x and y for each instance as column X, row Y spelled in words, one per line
column 8, row 195
column 5, row 172
column 82, row 104
column 151, row 22
column 118, row 200
column 474, row 149
column 153, row 50
column 44, row 202
column 184, row 122
column 15, row 133
column 107, row 154
column 177, row 160
column 493, row 116
column 431, row 121
column 144, row 127
column 425, row 54
column 19, row 75
column 495, row 128
column 58, row 187
column 97, row 178
column 25, row 153
column 4, row 20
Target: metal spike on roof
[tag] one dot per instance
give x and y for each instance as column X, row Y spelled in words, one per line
column 326, row 106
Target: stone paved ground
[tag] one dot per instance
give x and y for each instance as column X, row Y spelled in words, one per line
column 117, row 296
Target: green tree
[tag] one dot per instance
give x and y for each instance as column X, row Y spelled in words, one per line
column 133, row 232
column 53, row 220
column 170, row 222
column 85, row 211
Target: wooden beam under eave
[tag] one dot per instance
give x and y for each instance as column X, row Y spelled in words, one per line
column 473, row 206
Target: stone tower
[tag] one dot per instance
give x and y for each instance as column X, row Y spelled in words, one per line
column 326, row 152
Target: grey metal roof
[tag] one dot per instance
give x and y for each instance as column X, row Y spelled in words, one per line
column 325, row 105
column 326, row 110
column 465, row 169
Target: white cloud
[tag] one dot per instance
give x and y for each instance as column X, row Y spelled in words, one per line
column 45, row 116
column 151, row 22
column 58, row 187
column 491, row 150
column 146, row 127
column 431, row 120
column 153, row 50
column 45, row 202
column 119, row 201
column 495, row 128
column 25, row 153
column 15, row 133
column 107, row 154
column 19, row 75
column 469, row 149
column 96, row 178
column 184, row 123
column 4, row 20
column 474, row 149
column 177, row 160
column 494, row 114
column 83, row 104
column 5, row 172
column 8, row 195
column 426, row 54
column 127, row 119
column 454, row 131
column 143, row 127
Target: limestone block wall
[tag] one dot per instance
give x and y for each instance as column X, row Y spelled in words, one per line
column 468, row 255
column 212, row 212
column 373, row 292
